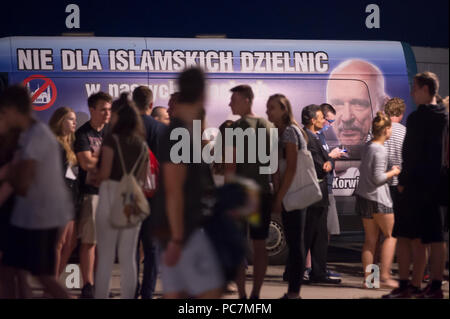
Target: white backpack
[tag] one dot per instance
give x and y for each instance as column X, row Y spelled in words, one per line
column 129, row 205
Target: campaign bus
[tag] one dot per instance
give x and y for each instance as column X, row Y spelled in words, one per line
column 356, row 77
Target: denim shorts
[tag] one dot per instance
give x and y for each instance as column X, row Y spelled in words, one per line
column 366, row 208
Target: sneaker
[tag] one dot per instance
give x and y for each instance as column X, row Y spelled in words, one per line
column 285, row 276
column 398, row 293
column 307, row 274
column 428, row 293
column 87, row 292
column 285, row 296
column 326, row 280
column 333, row 274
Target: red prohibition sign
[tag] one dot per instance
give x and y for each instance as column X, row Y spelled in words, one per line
column 47, row 83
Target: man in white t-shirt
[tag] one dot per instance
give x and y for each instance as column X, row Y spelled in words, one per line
column 43, row 204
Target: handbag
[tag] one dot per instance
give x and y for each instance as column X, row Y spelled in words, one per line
column 129, row 205
column 305, row 189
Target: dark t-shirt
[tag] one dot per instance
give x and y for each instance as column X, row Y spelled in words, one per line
column 88, row 139
column 131, row 148
column 247, row 168
column 422, row 150
column 154, row 130
column 327, row 148
column 198, row 190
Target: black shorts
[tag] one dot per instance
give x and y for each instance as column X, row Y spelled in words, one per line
column 32, row 250
column 261, row 232
column 366, row 207
column 419, row 216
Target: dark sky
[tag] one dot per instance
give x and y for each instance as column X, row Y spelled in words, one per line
column 423, row 23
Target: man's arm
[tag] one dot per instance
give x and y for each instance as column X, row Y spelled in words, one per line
column 106, row 164
column 87, row 160
column 174, row 177
column 22, row 175
column 230, row 168
column 316, row 152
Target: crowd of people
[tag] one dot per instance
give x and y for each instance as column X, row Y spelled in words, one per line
column 59, row 183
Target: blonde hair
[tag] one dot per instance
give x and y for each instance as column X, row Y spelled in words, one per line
column 66, row 141
column 380, row 123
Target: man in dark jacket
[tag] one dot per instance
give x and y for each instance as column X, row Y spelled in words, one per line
column 316, row 234
column 420, row 219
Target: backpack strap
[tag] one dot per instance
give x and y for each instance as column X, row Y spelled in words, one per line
column 298, row 137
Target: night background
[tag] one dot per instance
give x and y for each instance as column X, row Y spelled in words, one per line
column 419, row 23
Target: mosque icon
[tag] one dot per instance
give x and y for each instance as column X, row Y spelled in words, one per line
column 43, row 98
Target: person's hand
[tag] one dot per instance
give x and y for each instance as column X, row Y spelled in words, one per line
column 400, row 188
column 327, row 167
column 335, row 153
column 396, row 170
column 277, row 206
column 92, row 177
column 172, row 253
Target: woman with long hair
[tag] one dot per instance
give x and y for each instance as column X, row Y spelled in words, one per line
column 63, row 124
column 373, row 200
column 127, row 137
column 279, row 112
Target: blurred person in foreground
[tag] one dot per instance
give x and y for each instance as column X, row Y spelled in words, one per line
column 8, row 148
column 190, row 267
column 43, row 204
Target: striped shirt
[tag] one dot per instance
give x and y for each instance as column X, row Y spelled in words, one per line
column 394, row 149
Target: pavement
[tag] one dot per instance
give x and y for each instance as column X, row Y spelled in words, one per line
column 344, row 258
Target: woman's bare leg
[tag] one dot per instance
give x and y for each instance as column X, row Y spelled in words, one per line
column 371, row 232
column 386, row 224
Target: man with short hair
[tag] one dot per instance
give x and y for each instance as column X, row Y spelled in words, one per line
column 160, row 114
column 241, row 104
column 190, row 267
column 316, row 235
column 420, row 221
column 143, row 98
column 88, row 141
